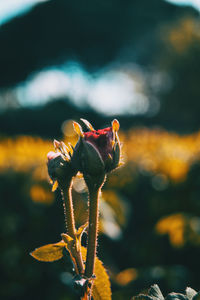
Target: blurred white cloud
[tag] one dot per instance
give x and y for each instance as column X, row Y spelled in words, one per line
column 194, row 3
column 111, row 92
column 12, row 8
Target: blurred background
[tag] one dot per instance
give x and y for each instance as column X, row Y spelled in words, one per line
column 137, row 61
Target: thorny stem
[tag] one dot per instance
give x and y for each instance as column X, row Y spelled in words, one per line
column 66, row 191
column 92, row 232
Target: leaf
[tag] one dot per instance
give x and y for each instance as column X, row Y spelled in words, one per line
column 81, row 229
column 142, row 297
column 49, row 253
column 70, row 243
column 176, row 296
column 155, row 292
column 190, row 293
column 79, row 233
column 54, row 186
column 197, row 296
column 101, row 289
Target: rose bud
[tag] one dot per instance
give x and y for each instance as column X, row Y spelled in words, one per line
column 59, row 163
column 97, row 151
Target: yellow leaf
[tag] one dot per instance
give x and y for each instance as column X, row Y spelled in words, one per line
column 101, row 289
column 49, row 253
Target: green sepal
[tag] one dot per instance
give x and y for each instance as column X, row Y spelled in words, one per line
column 76, row 160
column 116, row 155
column 93, row 163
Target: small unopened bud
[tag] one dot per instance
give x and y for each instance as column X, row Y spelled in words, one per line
column 59, row 164
column 55, row 165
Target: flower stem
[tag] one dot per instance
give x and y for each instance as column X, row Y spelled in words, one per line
column 92, row 232
column 66, row 192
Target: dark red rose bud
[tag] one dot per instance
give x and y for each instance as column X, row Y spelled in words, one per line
column 97, row 151
column 102, row 141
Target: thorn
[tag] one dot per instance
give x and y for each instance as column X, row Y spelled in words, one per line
column 78, row 129
column 89, row 126
column 55, row 185
column 79, row 175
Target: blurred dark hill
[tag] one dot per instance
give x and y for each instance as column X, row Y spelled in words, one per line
column 46, row 120
column 94, row 32
column 43, row 120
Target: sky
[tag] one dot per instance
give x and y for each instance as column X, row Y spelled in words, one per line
column 13, row 8
column 110, row 92
column 195, row 3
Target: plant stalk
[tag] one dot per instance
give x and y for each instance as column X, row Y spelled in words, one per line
column 66, row 191
column 92, row 231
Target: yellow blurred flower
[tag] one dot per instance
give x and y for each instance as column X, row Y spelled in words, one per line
column 174, row 226
column 39, row 194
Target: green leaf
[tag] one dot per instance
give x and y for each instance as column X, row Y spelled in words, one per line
column 69, row 243
column 197, row 296
column 101, row 289
column 142, row 297
column 49, row 253
column 190, row 293
column 79, row 233
column 81, row 229
column 155, row 292
column 176, row 296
